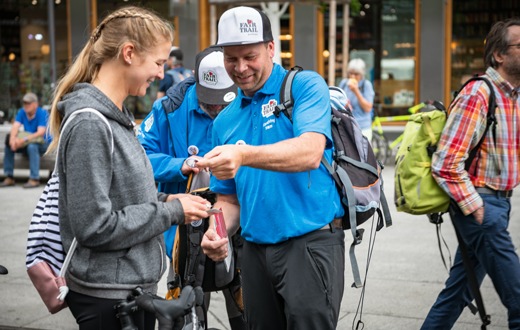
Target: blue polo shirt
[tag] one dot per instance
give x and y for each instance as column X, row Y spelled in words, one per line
column 276, row 206
column 40, row 119
column 189, row 126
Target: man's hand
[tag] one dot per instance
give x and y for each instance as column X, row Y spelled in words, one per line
column 223, row 161
column 214, row 246
column 16, row 143
column 479, row 215
column 189, row 165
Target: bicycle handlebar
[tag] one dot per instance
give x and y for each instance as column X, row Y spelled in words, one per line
column 167, row 312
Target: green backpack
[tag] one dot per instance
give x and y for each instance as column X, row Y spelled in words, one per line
column 416, row 191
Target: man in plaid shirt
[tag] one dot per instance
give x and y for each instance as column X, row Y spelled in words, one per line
column 482, row 193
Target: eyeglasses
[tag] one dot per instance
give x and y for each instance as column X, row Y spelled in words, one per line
column 517, row 46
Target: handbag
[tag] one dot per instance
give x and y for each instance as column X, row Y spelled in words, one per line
column 45, row 260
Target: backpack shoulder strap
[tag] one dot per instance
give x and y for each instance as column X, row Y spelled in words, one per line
column 286, row 97
column 74, row 243
column 175, row 97
column 491, row 118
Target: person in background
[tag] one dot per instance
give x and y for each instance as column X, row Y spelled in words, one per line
column 108, row 200
column 482, row 192
column 175, row 72
column 179, row 129
column 360, row 93
column 269, row 180
column 32, row 141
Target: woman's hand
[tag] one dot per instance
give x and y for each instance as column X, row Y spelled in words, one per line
column 353, row 84
column 195, row 208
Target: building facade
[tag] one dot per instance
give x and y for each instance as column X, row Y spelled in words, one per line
column 414, row 50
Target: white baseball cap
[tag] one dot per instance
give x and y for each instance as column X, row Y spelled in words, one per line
column 213, row 83
column 243, row 26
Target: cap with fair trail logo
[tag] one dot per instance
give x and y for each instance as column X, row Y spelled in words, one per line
column 213, row 83
column 243, row 26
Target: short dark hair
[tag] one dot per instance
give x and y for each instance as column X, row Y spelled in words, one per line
column 497, row 40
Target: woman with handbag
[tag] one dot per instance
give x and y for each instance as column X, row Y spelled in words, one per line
column 108, row 200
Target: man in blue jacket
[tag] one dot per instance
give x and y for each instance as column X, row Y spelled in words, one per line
column 33, row 140
column 179, row 130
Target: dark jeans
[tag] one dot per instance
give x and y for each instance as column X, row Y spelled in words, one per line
column 93, row 313
column 492, row 252
column 297, row 284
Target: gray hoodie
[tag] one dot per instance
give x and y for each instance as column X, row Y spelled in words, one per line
column 109, row 202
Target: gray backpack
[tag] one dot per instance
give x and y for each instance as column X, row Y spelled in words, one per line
column 354, row 167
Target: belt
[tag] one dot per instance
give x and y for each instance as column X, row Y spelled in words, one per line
column 498, row 193
column 336, row 223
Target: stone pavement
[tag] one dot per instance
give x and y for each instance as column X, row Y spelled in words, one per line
column 405, row 275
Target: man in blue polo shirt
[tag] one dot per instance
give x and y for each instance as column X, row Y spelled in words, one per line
column 33, row 140
column 269, row 179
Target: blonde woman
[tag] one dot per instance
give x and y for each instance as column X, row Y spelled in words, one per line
column 108, row 199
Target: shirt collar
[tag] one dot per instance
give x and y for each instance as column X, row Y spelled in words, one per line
column 503, row 84
column 270, row 87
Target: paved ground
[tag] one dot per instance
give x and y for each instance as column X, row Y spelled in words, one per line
column 406, row 273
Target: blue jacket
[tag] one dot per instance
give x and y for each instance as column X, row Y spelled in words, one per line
column 175, row 123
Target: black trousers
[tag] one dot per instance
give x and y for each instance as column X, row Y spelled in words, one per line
column 296, row 284
column 93, row 313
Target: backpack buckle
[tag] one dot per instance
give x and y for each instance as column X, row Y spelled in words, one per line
column 282, row 107
column 359, row 236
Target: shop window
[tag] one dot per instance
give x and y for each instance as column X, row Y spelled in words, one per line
column 398, row 62
column 382, row 33
column 472, row 20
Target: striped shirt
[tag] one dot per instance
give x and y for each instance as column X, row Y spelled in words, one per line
column 497, row 165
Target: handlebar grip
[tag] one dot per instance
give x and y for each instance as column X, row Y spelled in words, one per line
column 168, row 311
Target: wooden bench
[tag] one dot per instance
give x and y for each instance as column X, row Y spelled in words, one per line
column 21, row 161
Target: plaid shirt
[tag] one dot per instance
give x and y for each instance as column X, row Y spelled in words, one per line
column 497, row 165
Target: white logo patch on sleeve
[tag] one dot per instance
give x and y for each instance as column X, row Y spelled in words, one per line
column 148, row 123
